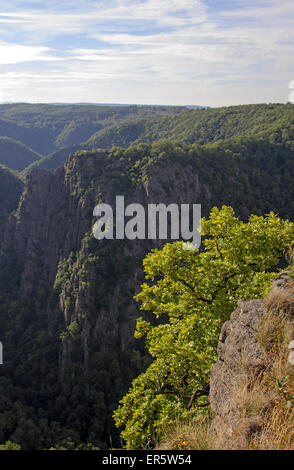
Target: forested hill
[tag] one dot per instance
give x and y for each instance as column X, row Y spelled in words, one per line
column 67, row 309
column 203, row 126
column 54, row 131
column 16, row 155
column 273, row 122
column 46, row 128
column 67, row 314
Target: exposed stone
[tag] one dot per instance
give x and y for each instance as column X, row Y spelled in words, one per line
column 240, row 358
column 52, row 221
column 283, row 281
column 238, row 351
column 291, row 358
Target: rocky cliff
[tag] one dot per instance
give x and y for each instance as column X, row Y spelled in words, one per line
column 11, row 188
column 246, row 395
column 67, row 310
column 67, row 314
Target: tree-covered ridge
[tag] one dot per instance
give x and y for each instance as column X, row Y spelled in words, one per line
column 273, row 123
column 204, row 126
column 16, row 155
column 46, row 128
column 193, row 293
column 54, row 160
column 57, row 131
column 253, row 176
column 66, row 309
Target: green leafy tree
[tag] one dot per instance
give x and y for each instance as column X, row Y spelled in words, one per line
column 10, row 446
column 192, row 293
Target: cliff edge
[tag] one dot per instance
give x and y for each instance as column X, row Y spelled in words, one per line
column 251, row 386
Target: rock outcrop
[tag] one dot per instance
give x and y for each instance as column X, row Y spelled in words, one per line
column 11, row 188
column 237, row 348
column 241, row 361
column 72, row 294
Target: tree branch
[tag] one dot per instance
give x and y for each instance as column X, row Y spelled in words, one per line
column 199, row 393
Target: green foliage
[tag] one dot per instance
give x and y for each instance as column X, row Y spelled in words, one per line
column 10, row 446
column 253, row 172
column 16, row 155
column 133, row 125
column 203, row 126
column 68, row 444
column 11, row 187
column 74, row 330
column 288, row 397
column 192, row 293
column 46, row 128
column 65, row 268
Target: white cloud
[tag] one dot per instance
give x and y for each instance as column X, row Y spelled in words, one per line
column 152, row 50
column 54, row 23
column 16, row 53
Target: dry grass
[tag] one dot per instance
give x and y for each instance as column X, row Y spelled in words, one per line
column 265, row 422
column 264, row 412
column 189, row 435
column 281, row 301
column 277, row 430
column 273, row 332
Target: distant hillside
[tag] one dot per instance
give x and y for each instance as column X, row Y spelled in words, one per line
column 70, row 347
column 46, row 128
column 55, row 159
column 67, row 309
column 274, row 122
column 16, row 155
column 49, row 128
column 202, row 126
column 126, row 133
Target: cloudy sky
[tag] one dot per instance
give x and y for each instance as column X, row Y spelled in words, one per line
column 198, row 52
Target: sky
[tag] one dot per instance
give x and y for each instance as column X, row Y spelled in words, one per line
column 169, row 52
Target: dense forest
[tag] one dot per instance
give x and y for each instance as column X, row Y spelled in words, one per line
column 273, row 123
column 50, row 133
column 69, row 304
column 46, row 128
column 16, row 155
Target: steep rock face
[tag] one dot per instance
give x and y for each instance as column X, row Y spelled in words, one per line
column 11, row 188
column 73, row 305
column 238, row 348
column 67, row 314
column 107, row 297
column 241, row 362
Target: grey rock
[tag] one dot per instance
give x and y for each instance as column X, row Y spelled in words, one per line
column 238, row 351
column 283, row 281
column 291, row 358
